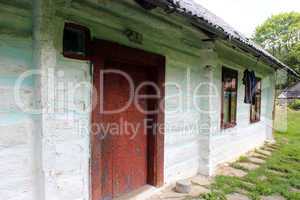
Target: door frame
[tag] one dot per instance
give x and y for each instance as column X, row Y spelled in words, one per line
column 101, row 52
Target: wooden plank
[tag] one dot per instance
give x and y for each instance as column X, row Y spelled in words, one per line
column 102, row 176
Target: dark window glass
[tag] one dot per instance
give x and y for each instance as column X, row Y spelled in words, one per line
column 75, row 41
column 229, row 97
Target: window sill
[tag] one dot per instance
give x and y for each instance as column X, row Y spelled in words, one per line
column 75, row 56
column 254, row 121
column 228, row 126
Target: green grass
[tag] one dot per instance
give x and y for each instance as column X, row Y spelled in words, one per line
column 244, row 159
column 280, row 175
column 238, row 166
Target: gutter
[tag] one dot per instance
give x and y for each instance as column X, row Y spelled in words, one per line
column 169, row 6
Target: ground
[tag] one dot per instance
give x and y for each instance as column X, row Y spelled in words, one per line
column 273, row 177
column 271, row 172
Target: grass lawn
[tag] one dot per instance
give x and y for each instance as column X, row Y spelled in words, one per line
column 280, row 175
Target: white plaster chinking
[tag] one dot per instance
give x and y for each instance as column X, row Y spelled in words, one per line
column 62, row 144
column 16, row 127
column 188, row 129
column 43, row 59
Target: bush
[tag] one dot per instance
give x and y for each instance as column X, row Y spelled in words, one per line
column 295, row 105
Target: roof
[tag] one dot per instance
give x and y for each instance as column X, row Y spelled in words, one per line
column 289, row 95
column 216, row 25
column 291, row 92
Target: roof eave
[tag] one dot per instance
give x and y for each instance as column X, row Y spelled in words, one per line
column 170, row 7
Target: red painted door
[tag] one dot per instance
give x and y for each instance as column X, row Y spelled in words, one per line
column 123, row 121
column 126, row 154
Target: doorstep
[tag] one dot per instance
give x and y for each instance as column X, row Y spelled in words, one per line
column 199, row 186
column 167, row 191
column 142, row 193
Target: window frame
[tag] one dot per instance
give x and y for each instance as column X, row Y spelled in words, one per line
column 87, row 34
column 257, row 119
column 231, row 123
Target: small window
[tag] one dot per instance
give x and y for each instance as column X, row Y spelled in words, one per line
column 76, row 41
column 229, row 97
column 255, row 109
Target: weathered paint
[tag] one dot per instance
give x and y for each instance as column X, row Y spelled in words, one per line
column 109, row 156
column 47, row 156
column 16, row 127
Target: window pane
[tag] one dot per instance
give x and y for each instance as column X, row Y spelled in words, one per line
column 234, row 84
column 258, row 107
column 227, row 84
column 74, row 41
column 229, row 78
column 233, row 107
column 252, row 112
column 255, row 110
column 226, row 106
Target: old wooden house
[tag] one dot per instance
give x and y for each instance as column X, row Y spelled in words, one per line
column 64, row 63
column 290, row 94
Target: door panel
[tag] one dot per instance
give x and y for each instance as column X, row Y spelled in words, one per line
column 129, row 156
column 127, row 137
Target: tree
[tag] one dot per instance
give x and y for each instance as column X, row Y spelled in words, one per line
column 280, row 35
column 293, row 58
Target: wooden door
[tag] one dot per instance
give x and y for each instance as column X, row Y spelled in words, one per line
column 127, row 158
column 126, row 155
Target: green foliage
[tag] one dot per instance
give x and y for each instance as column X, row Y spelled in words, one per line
column 244, row 159
column 238, row 166
column 293, row 57
column 280, row 35
column 215, row 195
column 295, row 105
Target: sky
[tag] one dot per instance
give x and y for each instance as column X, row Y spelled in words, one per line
column 246, row 15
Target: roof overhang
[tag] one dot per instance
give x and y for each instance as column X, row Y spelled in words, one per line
column 218, row 31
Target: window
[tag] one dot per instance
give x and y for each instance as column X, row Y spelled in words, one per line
column 255, row 110
column 76, row 41
column 229, row 97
